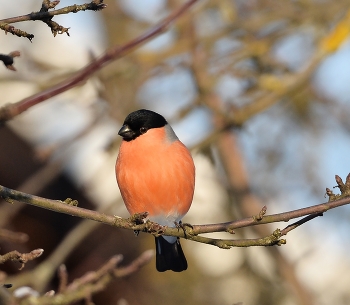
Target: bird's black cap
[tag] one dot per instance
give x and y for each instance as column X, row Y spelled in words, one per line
column 138, row 122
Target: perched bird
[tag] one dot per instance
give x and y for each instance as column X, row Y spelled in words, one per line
column 155, row 173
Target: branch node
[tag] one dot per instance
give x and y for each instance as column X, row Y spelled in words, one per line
column 71, row 201
column 225, row 246
column 281, row 242
column 7, row 199
column 231, row 231
column 261, row 214
column 96, row 5
column 343, row 187
column 277, row 233
column 273, row 239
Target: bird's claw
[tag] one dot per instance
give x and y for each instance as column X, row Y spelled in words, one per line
column 183, row 225
column 138, row 218
column 155, row 228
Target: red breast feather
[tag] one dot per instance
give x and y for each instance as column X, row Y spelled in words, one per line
column 156, row 175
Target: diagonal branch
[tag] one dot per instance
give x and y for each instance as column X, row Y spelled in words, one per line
column 11, row 110
column 300, row 222
column 92, row 282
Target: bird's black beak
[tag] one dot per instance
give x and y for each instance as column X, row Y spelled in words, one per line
column 126, row 133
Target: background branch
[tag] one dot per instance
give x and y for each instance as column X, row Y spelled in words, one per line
column 8, row 59
column 92, row 282
column 23, row 258
column 46, row 16
column 11, row 110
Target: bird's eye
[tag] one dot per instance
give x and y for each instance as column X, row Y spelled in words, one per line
column 143, row 130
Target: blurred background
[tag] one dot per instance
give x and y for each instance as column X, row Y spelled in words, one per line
column 258, row 90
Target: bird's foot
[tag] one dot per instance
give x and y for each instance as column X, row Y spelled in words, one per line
column 155, row 228
column 138, row 219
column 183, row 225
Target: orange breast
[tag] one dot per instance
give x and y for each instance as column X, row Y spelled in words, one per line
column 156, row 176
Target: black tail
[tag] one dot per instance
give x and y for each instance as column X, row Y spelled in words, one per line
column 169, row 256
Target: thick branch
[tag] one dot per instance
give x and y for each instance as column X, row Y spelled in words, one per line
column 189, row 232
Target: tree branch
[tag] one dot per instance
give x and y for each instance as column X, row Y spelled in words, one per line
column 23, row 258
column 137, row 223
column 46, row 16
column 17, row 237
column 92, row 282
column 11, row 110
column 7, row 59
column 44, row 13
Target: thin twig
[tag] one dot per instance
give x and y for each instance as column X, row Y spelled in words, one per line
column 7, row 59
column 63, row 278
column 16, row 237
column 42, row 14
column 93, row 282
column 23, row 258
column 46, row 16
column 299, row 223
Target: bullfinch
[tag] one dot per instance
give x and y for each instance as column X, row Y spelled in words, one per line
column 155, row 173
